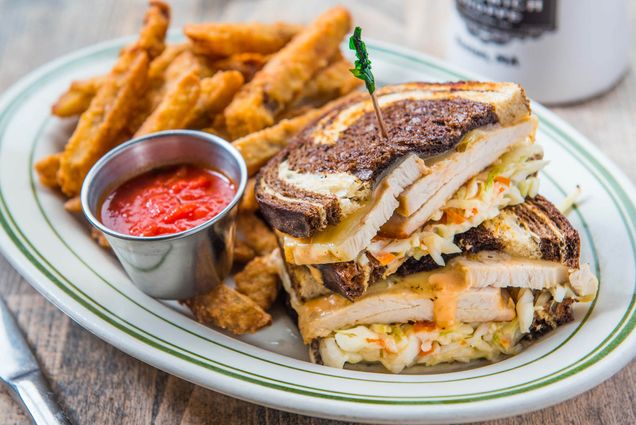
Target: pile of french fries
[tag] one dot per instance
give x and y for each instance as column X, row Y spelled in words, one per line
column 253, row 84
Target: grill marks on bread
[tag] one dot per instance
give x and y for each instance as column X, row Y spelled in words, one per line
column 301, row 212
column 558, row 240
column 425, row 127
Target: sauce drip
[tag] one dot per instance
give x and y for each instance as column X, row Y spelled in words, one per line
column 447, row 286
column 166, row 200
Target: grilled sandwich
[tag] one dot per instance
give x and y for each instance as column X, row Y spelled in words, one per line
column 516, row 278
column 350, row 208
column 430, row 246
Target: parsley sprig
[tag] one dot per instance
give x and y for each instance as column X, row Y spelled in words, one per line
column 363, row 72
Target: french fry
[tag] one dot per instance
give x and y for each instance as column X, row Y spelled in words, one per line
column 47, row 168
column 259, row 280
column 247, row 64
column 153, row 32
column 228, row 309
column 227, row 39
column 73, row 205
column 259, row 147
column 330, row 83
column 217, row 131
column 114, row 104
column 216, row 93
column 99, row 238
column 176, row 107
column 254, row 233
column 77, row 98
column 97, row 130
column 80, row 93
column 287, row 72
column 161, row 63
column 242, row 252
column 248, row 202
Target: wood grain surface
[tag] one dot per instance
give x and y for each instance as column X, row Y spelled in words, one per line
column 96, row 383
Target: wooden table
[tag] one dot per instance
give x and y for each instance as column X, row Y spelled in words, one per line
column 96, row 383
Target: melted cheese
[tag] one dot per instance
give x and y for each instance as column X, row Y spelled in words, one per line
column 344, row 241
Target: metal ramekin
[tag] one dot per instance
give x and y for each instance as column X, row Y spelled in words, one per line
column 179, row 265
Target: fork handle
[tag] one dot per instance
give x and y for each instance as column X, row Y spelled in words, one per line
column 32, row 392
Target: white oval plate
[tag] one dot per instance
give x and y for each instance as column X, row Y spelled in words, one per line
column 54, row 253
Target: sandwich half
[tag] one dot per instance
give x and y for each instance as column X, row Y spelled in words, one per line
column 351, row 208
column 515, row 279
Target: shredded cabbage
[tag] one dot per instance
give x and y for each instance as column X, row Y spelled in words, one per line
column 400, row 346
column 506, row 182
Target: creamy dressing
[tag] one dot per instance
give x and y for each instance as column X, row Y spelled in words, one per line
column 447, row 285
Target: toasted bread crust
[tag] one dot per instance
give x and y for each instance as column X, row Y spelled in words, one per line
column 425, row 127
column 429, row 122
column 350, row 279
column 300, row 221
column 550, row 318
column 557, row 241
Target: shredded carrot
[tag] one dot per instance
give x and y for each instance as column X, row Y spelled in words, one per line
column 424, row 325
column 386, row 258
column 503, row 180
column 453, row 217
column 382, row 343
column 475, row 211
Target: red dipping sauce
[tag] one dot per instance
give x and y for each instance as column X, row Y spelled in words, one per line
column 166, row 200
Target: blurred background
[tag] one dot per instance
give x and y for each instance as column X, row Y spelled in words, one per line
column 562, row 50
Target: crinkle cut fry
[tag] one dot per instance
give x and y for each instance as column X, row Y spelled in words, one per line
column 221, row 39
column 283, row 77
column 228, row 309
column 115, row 102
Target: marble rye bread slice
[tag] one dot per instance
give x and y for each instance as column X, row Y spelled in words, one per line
column 331, row 169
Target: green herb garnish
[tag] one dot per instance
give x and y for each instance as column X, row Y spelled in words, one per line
column 363, row 72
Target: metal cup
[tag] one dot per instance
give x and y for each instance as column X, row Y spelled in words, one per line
column 179, row 265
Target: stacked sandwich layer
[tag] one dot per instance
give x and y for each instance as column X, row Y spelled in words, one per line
column 431, row 245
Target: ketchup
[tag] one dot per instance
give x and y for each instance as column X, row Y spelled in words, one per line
column 166, row 200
